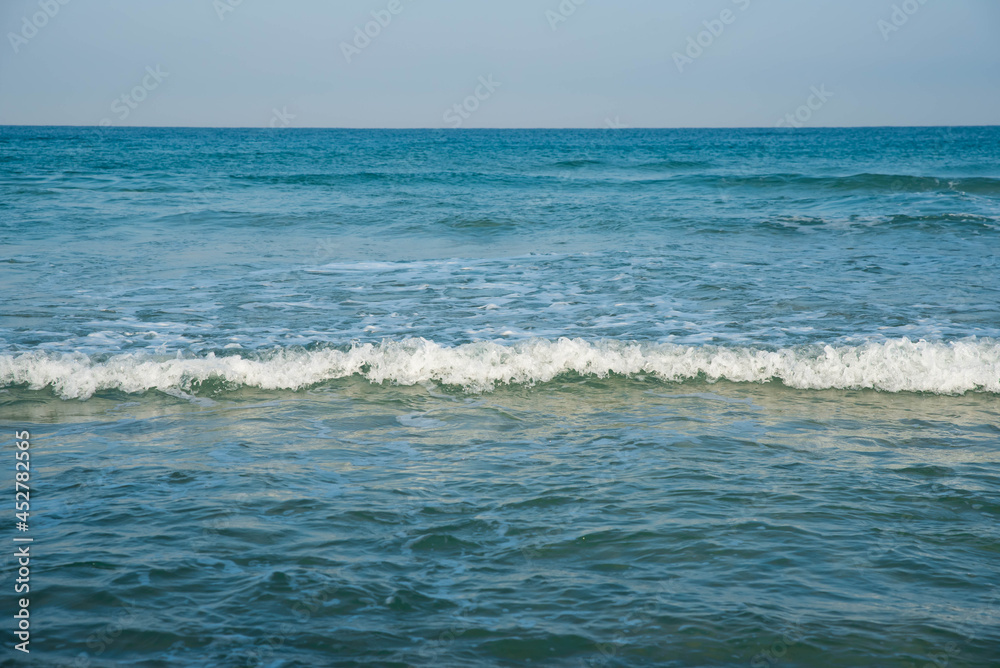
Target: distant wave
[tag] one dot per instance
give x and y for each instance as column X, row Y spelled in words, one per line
column 897, row 365
column 888, row 183
column 677, row 172
column 581, row 162
column 331, row 179
column 943, row 220
column 657, row 165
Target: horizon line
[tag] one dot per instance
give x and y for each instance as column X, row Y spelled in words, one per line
column 602, row 128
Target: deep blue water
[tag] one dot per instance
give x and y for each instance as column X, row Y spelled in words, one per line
column 599, row 398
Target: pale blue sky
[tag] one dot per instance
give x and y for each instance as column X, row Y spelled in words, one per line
column 607, row 62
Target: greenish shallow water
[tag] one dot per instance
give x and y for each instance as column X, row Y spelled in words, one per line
column 586, row 522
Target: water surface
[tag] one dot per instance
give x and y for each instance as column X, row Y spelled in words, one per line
column 511, row 398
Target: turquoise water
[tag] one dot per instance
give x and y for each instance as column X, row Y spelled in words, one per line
column 510, row 398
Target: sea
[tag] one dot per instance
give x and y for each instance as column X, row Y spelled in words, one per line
column 597, row 398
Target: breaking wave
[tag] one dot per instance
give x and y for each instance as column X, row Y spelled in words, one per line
column 897, row 365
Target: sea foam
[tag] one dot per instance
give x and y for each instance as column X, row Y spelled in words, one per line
column 897, row 365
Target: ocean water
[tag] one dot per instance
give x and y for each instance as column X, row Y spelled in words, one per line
column 504, row 398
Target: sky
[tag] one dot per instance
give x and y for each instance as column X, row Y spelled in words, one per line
column 500, row 63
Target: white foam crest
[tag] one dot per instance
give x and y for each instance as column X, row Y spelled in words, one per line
column 897, row 365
